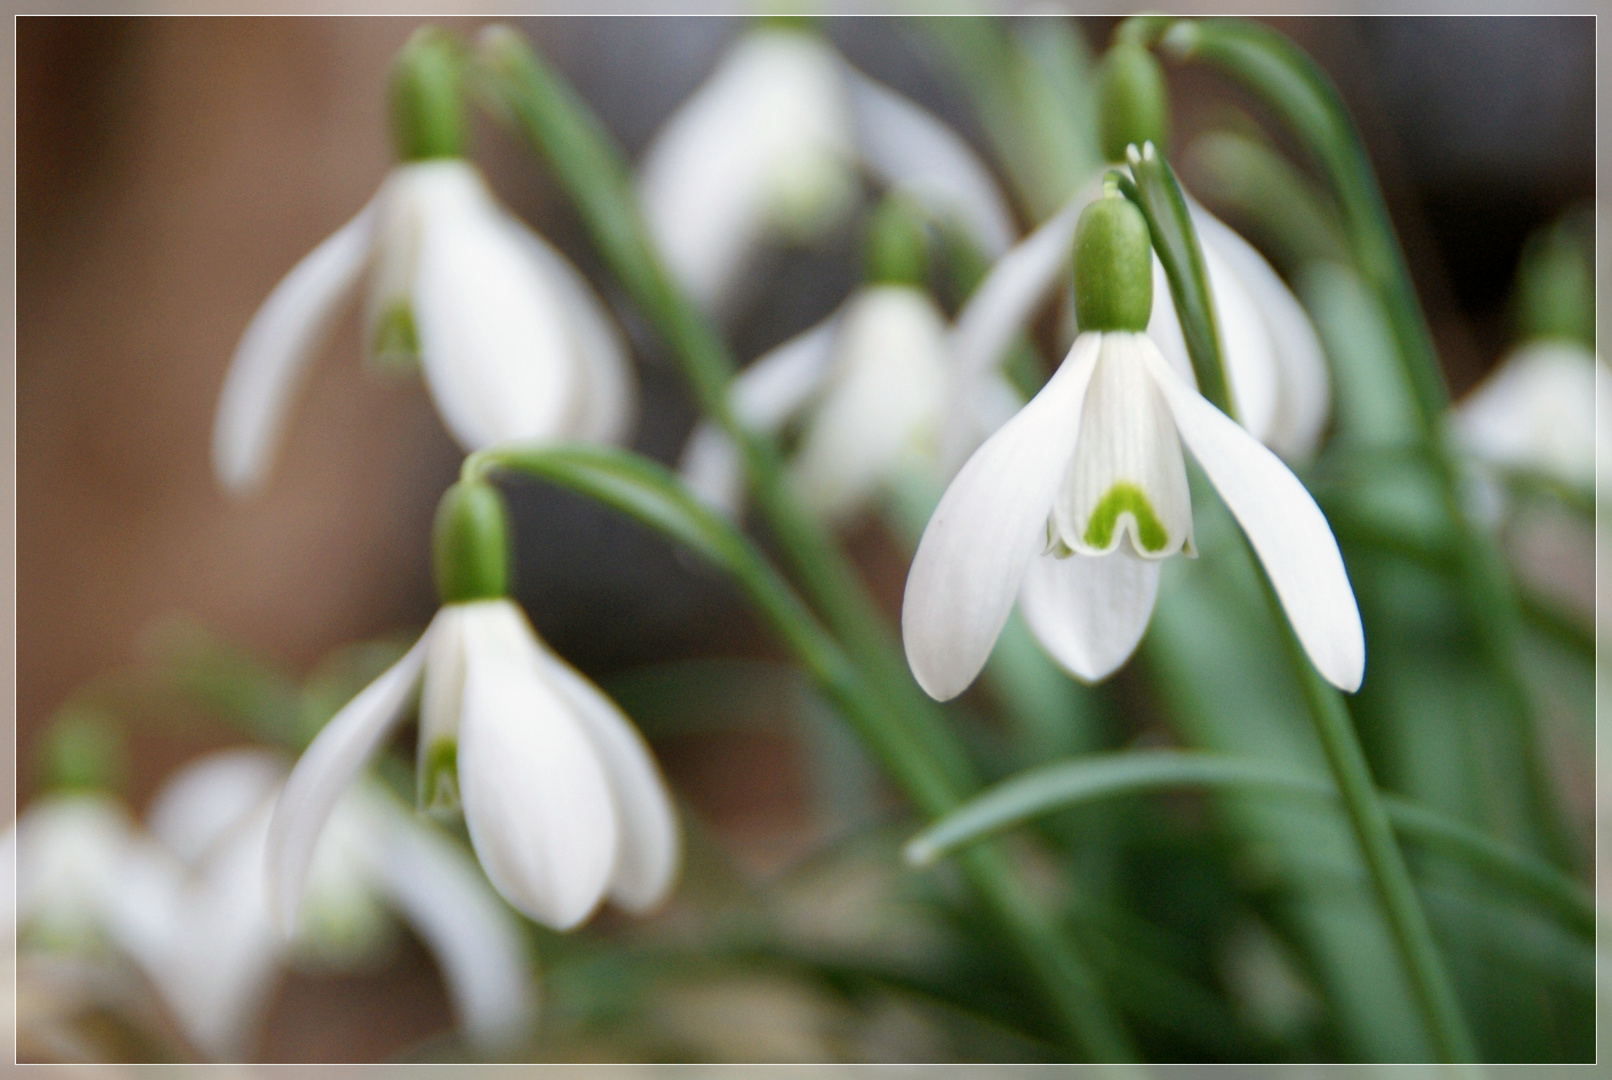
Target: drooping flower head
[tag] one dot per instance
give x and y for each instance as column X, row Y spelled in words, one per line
column 512, row 340
column 1072, row 504
column 560, row 795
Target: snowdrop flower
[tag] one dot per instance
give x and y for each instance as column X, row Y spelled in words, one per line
column 1072, row 504
column 185, row 897
column 561, row 797
column 771, row 146
column 513, row 342
column 873, row 382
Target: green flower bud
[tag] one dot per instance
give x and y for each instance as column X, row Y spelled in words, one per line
column 470, row 544
column 896, row 248
column 83, row 750
column 1113, row 267
column 1134, row 101
column 427, row 113
column 1555, row 290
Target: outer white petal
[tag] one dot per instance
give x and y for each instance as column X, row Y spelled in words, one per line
column 610, row 387
column 202, row 802
column 492, row 331
column 1304, row 395
column 907, row 147
column 1286, row 528
column 67, row 850
column 765, row 142
column 537, row 800
column 274, row 352
column 1089, row 612
column 324, row 771
column 988, row 525
column 1536, row 412
column 883, row 402
column 440, row 891
column 647, row 862
column 764, row 396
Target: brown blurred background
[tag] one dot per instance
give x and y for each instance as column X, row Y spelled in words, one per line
column 171, row 170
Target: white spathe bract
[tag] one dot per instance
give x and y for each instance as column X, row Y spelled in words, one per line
column 514, row 344
column 872, row 386
column 1274, row 363
column 773, row 144
column 1071, row 504
column 560, row 794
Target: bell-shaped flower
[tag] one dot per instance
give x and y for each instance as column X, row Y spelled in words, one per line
column 561, row 797
column 773, row 146
column 185, row 897
column 870, row 387
column 1071, row 505
column 513, row 342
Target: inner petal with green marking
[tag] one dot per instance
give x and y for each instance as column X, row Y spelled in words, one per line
column 1122, row 499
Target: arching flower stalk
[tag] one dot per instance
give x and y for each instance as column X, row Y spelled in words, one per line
column 1074, row 502
column 560, row 795
column 512, row 340
column 773, row 146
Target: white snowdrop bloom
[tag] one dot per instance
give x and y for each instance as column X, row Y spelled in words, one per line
column 1535, row 413
column 773, row 145
column 562, row 799
column 1071, row 505
column 514, row 344
column 1274, row 362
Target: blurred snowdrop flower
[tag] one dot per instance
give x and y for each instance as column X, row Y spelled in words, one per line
column 186, row 898
column 1072, row 504
column 561, row 797
column 870, row 385
column 773, row 146
column 513, row 342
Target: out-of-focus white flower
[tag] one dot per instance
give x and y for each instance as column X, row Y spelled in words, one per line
column 560, row 794
column 1274, row 362
column 773, row 145
column 873, row 382
column 514, row 343
column 186, row 897
column 1535, row 414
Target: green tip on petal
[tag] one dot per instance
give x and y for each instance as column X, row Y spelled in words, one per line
column 1129, row 499
column 1113, row 267
column 470, row 544
column 427, row 109
column 896, row 249
column 439, row 779
column 83, row 750
column 395, row 344
column 1133, row 100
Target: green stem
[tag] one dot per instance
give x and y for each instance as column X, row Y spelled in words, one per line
column 1301, row 95
column 1369, row 820
column 913, row 738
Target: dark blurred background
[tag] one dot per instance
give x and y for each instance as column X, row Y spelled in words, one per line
column 169, row 171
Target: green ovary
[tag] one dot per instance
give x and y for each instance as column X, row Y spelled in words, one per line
column 1125, row 498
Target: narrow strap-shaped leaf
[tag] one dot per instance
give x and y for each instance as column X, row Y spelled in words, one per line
column 1102, row 776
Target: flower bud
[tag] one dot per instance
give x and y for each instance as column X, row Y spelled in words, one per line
column 427, row 114
column 1133, row 102
column 470, row 544
column 896, row 249
column 1113, row 267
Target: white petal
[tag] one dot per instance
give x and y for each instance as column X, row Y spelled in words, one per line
column 908, row 148
column 610, row 388
column 1089, row 612
column 536, row 798
column 492, row 331
column 764, row 396
column 1304, row 395
column 1127, row 462
column 324, row 771
column 274, row 352
column 1535, row 412
column 67, row 848
column 648, row 858
column 199, row 804
column 442, row 694
column 439, row 890
column 990, row 522
column 1286, row 528
column 765, row 141
column 883, row 402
